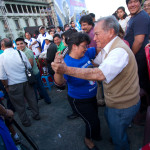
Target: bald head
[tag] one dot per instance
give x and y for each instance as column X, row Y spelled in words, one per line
column 6, row 43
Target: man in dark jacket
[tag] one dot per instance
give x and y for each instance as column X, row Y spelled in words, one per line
column 51, row 51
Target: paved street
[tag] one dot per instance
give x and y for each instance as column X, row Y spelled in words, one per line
column 55, row 132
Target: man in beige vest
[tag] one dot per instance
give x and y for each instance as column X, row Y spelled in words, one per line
column 118, row 71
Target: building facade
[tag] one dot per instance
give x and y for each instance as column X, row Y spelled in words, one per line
column 18, row 15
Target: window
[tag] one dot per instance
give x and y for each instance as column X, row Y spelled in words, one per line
column 45, row 9
column 41, row 9
column 17, row 24
column 19, row 8
column 5, row 24
column 4, row 10
column 24, row 9
column 29, row 9
column 37, row 9
column 43, row 22
column 8, row 8
column 14, row 8
column 33, row 9
column 27, row 22
column 35, row 21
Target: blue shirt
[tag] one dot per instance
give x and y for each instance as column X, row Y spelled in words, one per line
column 79, row 88
column 4, row 133
column 138, row 25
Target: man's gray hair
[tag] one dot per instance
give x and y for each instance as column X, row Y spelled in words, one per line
column 7, row 42
column 110, row 22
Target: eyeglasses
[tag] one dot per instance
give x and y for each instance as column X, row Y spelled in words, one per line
column 85, row 47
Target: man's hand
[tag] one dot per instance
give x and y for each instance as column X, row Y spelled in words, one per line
column 30, row 47
column 59, row 65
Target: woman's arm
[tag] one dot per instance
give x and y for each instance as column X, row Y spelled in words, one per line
column 6, row 112
column 59, row 79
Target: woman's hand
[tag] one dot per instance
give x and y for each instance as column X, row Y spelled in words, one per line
column 59, row 65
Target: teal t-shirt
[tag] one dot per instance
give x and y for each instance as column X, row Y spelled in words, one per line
column 60, row 47
column 30, row 55
column 1, row 51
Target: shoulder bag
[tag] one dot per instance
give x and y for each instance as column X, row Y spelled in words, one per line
column 28, row 71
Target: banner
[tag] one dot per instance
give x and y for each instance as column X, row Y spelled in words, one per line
column 69, row 9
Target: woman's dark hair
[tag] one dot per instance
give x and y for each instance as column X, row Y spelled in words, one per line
column 123, row 9
column 68, row 33
column 87, row 19
column 77, row 38
column 121, row 32
column 115, row 15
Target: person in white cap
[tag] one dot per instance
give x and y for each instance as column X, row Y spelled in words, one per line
column 48, row 55
column 47, row 40
column 51, row 51
column 41, row 37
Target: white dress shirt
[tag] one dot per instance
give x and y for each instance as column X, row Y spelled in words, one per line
column 114, row 63
column 12, row 67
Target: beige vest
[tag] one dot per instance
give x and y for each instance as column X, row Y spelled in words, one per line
column 123, row 90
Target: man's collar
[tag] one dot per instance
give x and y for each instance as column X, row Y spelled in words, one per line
column 107, row 47
column 44, row 34
column 8, row 49
column 24, row 49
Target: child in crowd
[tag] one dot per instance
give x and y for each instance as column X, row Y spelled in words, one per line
column 123, row 18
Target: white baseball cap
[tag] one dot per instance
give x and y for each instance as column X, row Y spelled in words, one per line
column 49, row 37
column 41, row 27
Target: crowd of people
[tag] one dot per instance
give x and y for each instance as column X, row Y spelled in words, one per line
column 103, row 64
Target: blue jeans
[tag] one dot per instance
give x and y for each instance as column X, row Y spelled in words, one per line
column 40, row 88
column 118, row 121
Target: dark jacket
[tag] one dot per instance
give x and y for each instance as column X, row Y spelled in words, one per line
column 51, row 51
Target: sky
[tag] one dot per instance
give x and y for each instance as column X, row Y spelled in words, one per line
column 103, row 8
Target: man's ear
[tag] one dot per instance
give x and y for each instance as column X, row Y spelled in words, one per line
column 2, row 46
column 111, row 33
